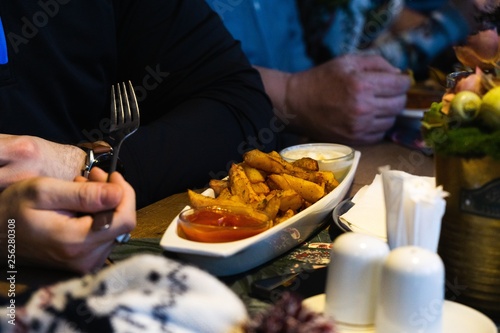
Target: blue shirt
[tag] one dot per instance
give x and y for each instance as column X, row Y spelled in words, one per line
column 269, row 31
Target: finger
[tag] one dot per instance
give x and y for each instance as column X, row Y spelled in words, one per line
column 95, row 175
column 80, row 179
column 89, row 197
column 93, row 260
column 98, row 175
column 392, row 106
column 126, row 210
column 388, row 84
column 375, row 63
column 381, row 107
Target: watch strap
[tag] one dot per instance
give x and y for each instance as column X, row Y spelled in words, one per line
column 95, row 151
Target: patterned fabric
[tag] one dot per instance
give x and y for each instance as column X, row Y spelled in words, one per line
column 334, row 28
column 146, row 293
column 361, row 26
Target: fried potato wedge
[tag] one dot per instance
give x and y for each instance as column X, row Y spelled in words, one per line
column 310, row 191
column 273, row 163
column 262, row 161
column 278, row 182
column 199, row 200
column 289, row 199
column 260, row 188
column 273, row 205
column 328, row 179
column 218, row 185
column 307, row 163
column 240, row 185
column 224, row 194
column 254, row 175
column 288, row 214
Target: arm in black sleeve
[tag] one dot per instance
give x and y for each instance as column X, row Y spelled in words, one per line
column 202, row 104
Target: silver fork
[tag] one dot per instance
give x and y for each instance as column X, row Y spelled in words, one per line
column 125, row 119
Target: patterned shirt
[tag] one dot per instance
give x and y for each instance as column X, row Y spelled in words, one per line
column 336, row 27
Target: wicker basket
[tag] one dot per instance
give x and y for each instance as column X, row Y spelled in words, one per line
column 470, row 233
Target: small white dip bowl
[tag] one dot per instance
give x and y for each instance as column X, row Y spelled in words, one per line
column 330, row 156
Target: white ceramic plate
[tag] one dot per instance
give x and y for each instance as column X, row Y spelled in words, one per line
column 457, row 318
column 338, row 211
column 231, row 258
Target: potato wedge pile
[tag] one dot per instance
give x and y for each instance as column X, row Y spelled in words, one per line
column 265, row 182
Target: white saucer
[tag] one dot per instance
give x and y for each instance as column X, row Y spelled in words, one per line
column 457, row 318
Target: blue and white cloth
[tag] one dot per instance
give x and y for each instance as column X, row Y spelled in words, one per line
column 145, row 293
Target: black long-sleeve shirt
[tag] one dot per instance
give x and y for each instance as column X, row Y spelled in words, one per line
column 201, row 103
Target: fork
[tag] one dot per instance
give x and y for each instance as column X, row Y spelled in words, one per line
column 125, row 119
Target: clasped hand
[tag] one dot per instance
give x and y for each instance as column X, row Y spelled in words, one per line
column 53, row 219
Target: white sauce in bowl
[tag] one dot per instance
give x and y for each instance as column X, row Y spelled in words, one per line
column 332, row 157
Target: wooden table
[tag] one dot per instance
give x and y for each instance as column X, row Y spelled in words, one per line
column 153, row 220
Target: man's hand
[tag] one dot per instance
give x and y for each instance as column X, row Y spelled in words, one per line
column 53, row 219
column 24, row 157
column 352, row 99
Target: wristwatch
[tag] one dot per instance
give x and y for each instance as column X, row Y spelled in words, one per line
column 99, row 154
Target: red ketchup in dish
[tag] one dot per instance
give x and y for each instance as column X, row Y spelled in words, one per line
column 216, row 225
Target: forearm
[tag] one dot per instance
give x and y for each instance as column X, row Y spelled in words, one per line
column 281, row 88
column 275, row 84
column 74, row 159
column 26, row 157
column 60, row 160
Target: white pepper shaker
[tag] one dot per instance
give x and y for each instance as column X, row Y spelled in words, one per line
column 353, row 278
column 411, row 292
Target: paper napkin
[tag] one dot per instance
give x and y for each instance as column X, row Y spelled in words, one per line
column 367, row 216
column 414, row 208
column 403, row 208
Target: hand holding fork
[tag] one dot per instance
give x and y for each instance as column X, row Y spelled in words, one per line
column 125, row 119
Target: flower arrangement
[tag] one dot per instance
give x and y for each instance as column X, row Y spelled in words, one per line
column 464, row 131
column 466, row 122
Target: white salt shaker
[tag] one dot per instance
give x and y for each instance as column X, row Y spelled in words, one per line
column 411, row 292
column 353, row 278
